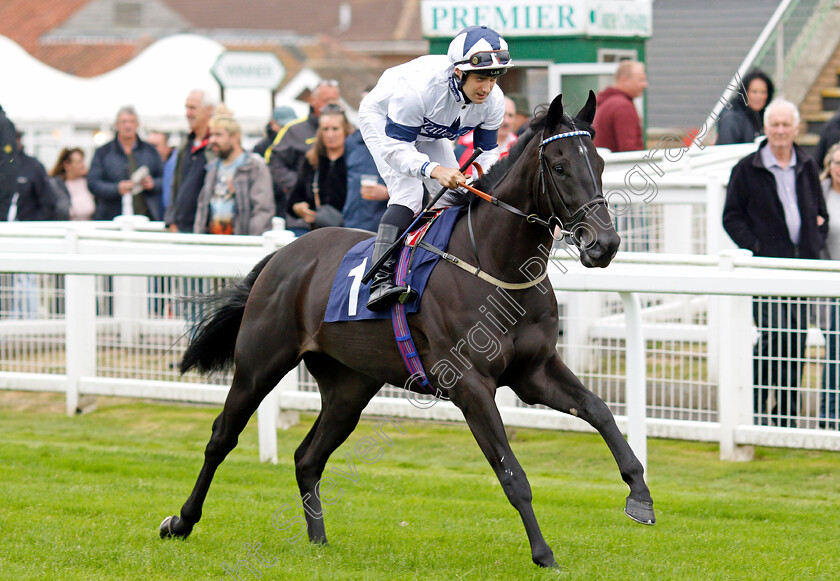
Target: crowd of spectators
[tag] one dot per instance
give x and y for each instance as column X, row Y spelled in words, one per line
column 317, row 167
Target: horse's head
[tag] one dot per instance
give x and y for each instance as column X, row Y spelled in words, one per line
column 569, row 182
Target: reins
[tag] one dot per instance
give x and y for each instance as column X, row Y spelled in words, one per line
column 575, row 218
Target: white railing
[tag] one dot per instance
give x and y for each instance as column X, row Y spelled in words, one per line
column 91, row 341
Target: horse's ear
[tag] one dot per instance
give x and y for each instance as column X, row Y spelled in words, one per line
column 555, row 112
column 587, row 113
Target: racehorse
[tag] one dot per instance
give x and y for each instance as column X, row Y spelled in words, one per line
column 274, row 318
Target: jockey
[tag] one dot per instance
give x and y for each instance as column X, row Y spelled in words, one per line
column 408, row 120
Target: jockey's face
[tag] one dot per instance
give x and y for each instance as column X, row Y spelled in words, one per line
column 477, row 87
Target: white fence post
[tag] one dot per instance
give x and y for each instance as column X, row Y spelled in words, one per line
column 80, row 333
column 716, row 237
column 636, row 383
column 734, row 340
column 677, row 230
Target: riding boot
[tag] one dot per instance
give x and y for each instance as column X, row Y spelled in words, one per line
column 383, row 291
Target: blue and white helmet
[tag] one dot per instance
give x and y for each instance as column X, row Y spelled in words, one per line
column 480, row 49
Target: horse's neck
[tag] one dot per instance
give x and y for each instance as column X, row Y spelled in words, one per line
column 508, row 245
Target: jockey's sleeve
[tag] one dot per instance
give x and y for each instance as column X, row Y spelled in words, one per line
column 404, row 121
column 486, row 140
column 399, row 150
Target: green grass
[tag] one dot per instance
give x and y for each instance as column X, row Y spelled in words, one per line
column 82, row 498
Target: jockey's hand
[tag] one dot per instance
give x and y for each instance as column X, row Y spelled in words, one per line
column 303, row 210
column 448, row 176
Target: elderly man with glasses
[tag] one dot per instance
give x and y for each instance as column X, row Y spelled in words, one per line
column 408, row 120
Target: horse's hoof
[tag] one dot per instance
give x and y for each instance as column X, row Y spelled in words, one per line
column 173, row 527
column 640, row 511
column 549, row 563
column 545, row 559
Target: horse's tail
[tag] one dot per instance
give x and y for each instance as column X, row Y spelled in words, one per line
column 213, row 338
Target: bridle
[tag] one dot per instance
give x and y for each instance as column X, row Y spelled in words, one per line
column 576, row 217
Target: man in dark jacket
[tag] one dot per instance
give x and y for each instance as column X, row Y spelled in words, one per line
column 35, row 198
column 617, row 126
column 191, row 163
column 112, row 167
column 8, row 173
column 285, row 156
column 775, row 207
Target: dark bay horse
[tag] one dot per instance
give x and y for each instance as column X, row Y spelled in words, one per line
column 274, row 318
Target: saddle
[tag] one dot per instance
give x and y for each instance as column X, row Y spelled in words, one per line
column 348, row 296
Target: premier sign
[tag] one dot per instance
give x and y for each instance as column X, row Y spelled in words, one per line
column 618, row 18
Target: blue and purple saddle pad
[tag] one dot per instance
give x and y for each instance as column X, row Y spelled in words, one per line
column 349, row 297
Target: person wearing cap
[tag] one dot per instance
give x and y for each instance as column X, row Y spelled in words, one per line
column 407, row 122
column 279, row 118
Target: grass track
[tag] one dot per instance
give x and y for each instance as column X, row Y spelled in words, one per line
column 82, row 499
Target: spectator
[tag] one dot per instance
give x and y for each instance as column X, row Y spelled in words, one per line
column 505, row 137
column 190, row 166
column 280, row 117
column 286, row 154
column 33, row 199
column 8, row 173
column 743, row 122
column 774, row 207
column 168, row 155
column 829, row 135
column 616, row 123
column 829, row 400
column 523, row 114
column 236, row 197
column 70, row 183
column 321, row 189
column 114, row 164
column 367, row 195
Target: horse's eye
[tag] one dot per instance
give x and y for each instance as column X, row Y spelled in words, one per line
column 559, row 169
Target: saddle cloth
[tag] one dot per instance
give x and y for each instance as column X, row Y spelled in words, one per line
column 349, row 297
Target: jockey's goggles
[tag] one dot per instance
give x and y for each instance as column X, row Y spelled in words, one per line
column 485, row 58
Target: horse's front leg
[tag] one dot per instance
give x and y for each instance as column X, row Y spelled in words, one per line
column 555, row 386
column 482, row 415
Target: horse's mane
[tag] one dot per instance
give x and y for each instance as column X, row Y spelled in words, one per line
column 535, row 127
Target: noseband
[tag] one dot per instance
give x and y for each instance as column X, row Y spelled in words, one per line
column 576, row 217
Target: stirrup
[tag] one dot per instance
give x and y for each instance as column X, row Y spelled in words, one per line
column 408, row 295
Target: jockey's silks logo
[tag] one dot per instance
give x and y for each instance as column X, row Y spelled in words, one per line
column 438, row 131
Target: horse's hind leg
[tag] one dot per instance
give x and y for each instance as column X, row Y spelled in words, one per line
column 484, row 421
column 344, row 394
column 251, row 383
column 555, row 386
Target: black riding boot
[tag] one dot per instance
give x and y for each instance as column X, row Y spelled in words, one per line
column 383, row 291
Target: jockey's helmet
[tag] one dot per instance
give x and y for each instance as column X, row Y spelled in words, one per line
column 481, row 50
